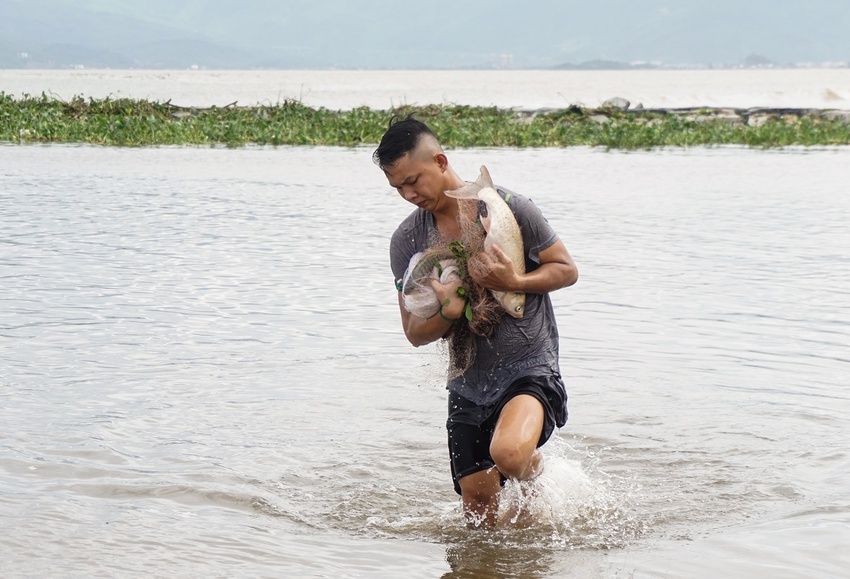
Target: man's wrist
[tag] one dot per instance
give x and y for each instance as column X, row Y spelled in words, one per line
column 446, row 318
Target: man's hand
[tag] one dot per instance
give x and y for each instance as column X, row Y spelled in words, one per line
column 501, row 275
column 452, row 304
column 421, row 331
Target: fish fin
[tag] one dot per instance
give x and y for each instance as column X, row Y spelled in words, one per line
column 484, row 179
column 470, row 190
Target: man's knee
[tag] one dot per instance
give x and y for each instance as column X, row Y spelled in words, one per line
column 514, row 443
column 510, row 458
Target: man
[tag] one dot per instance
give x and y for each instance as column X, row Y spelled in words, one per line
column 505, row 405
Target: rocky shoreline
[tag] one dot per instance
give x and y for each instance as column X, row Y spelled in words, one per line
column 619, row 108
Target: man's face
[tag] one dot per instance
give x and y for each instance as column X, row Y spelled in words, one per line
column 418, row 178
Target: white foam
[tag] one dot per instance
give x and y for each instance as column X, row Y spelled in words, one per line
column 554, row 498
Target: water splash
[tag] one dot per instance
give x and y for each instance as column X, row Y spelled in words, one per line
column 573, row 503
column 557, row 495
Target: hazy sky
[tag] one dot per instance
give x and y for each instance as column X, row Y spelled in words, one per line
column 436, row 34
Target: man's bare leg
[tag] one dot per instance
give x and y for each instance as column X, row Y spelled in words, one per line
column 514, row 450
column 514, row 443
column 480, row 497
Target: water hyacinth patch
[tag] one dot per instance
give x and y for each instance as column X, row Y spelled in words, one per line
column 129, row 122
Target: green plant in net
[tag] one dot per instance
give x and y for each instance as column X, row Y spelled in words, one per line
column 462, row 257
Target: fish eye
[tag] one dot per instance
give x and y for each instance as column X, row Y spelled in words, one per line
column 518, row 309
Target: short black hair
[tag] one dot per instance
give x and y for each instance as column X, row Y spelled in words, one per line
column 401, row 137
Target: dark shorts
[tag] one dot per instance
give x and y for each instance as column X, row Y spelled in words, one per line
column 470, row 426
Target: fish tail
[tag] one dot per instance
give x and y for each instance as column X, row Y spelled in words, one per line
column 484, row 179
column 470, row 190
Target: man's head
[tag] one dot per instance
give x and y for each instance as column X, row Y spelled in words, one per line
column 402, row 137
column 415, row 165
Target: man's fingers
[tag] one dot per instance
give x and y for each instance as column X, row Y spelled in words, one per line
column 500, row 255
column 436, row 286
column 443, row 289
column 495, row 256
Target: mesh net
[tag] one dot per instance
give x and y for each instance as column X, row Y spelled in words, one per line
column 419, row 296
column 449, row 260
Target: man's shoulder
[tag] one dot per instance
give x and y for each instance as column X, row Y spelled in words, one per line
column 537, row 234
column 416, row 220
column 511, row 196
column 518, row 203
column 409, row 238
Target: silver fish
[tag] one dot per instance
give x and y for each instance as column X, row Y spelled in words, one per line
column 419, row 297
column 502, row 230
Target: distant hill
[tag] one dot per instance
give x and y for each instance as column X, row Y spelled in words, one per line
column 374, row 34
column 38, row 34
column 605, row 65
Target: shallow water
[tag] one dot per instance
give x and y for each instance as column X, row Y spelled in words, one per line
column 825, row 88
column 203, row 372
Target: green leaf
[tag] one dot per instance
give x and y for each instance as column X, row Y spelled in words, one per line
column 468, row 311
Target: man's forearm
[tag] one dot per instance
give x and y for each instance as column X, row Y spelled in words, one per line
column 548, row 278
column 421, row 331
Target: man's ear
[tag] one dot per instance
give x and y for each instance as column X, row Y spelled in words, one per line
column 442, row 161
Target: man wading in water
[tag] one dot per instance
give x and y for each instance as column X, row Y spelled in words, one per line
column 508, row 401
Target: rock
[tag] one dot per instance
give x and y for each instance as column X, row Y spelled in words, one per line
column 617, row 103
column 601, row 119
column 758, row 119
column 527, row 116
column 728, row 116
column 837, row 115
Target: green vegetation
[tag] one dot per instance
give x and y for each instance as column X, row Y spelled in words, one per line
column 126, row 122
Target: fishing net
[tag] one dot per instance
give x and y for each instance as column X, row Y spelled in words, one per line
column 419, row 296
column 448, row 260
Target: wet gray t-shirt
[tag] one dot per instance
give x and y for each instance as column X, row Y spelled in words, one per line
column 517, row 347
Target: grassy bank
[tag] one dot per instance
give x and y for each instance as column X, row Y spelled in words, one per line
column 126, row 122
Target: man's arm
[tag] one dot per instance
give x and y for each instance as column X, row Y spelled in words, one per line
column 557, row 270
column 421, row 331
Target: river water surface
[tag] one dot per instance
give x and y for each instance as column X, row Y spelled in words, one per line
column 202, row 372
column 825, row 88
